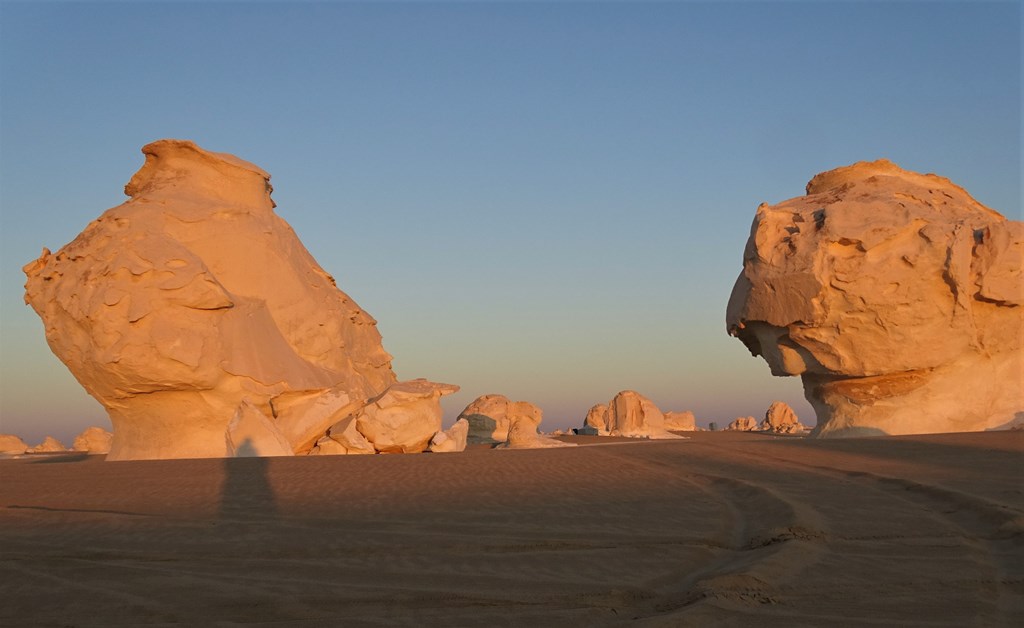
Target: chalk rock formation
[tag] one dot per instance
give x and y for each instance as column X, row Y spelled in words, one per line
column 343, row 439
column 451, row 440
column 743, row 424
column 633, row 415
column 12, row 445
column 781, row 419
column 94, row 440
column 522, row 434
column 193, row 313
column 895, row 296
column 491, row 416
column 597, row 418
column 49, row 445
column 405, row 418
column 680, row 421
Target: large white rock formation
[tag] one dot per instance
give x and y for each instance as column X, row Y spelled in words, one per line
column 522, row 434
column 194, row 314
column 896, row 297
column 629, row 414
column 742, row 424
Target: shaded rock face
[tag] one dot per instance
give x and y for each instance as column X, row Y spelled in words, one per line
column 894, row 295
column 197, row 318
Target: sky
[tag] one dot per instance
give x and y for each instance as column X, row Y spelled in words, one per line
column 543, row 200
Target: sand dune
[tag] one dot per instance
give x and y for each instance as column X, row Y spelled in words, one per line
column 731, row 529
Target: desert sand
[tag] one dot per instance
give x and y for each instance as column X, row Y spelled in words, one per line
column 726, row 528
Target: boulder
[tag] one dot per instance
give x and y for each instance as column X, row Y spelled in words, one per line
column 491, row 416
column 405, row 418
column 680, row 421
column 192, row 299
column 895, row 296
column 597, row 418
column 633, row 415
column 49, row 445
column 12, row 445
column 94, row 440
column 451, row 440
column 522, row 434
column 781, row 419
column 343, row 438
column 743, row 424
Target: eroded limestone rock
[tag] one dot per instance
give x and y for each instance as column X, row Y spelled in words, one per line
column 633, row 415
column 50, row 445
column 491, row 416
column 597, row 418
column 94, row 440
column 522, row 434
column 451, row 440
column 680, row 421
column 11, row 445
column 743, row 424
column 895, row 296
column 781, row 419
column 194, row 314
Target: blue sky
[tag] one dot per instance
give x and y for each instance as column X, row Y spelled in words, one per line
column 544, row 200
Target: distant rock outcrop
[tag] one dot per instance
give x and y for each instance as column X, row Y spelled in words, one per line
column 522, row 434
column 896, row 297
column 490, row 417
column 11, row 445
column 680, row 421
column 629, row 414
column 198, row 319
column 50, row 445
column 781, row 419
column 94, row 440
column 743, row 424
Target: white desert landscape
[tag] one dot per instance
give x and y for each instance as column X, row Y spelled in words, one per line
column 246, row 480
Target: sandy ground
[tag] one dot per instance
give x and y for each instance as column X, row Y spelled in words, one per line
column 721, row 530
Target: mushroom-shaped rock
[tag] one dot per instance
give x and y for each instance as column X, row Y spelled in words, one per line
column 405, row 417
column 12, row 445
column 895, row 296
column 633, row 415
column 94, row 440
column 680, row 421
column 194, row 297
column 451, row 440
column 491, row 416
column 743, row 424
column 597, row 418
column 50, row 445
column 781, row 419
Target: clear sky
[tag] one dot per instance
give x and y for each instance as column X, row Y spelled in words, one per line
column 543, row 200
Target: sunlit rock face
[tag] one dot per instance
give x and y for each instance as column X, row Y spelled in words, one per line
column 198, row 319
column 895, row 296
column 94, row 440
